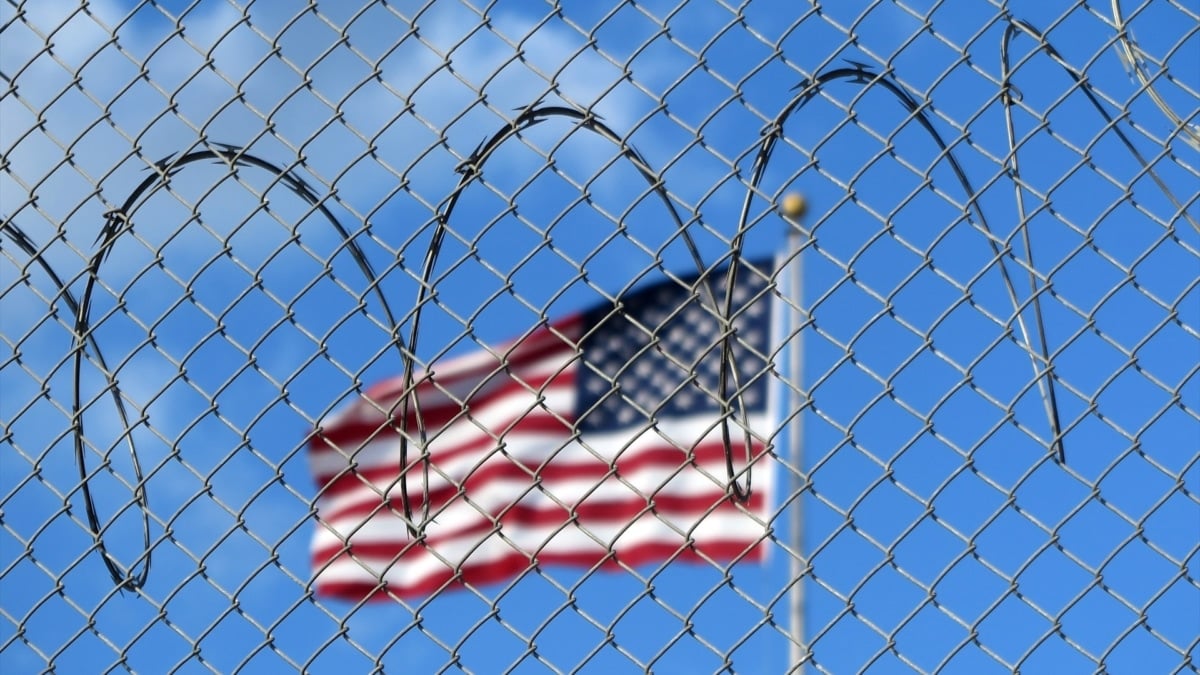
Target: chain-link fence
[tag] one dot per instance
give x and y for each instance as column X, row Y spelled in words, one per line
column 964, row 436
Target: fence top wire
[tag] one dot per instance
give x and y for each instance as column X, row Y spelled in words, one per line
column 224, row 221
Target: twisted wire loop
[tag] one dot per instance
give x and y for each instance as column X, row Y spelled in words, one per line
column 471, row 170
column 1018, row 27
column 118, row 222
column 1042, row 364
column 124, row 579
column 862, row 74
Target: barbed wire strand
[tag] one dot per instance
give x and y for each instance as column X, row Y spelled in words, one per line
column 864, row 75
column 1133, row 58
column 123, row 578
column 120, row 221
column 1125, row 467
column 1085, row 86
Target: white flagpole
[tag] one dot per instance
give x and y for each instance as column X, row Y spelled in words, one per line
column 793, row 209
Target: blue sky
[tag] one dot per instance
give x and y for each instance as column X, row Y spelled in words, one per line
column 939, row 529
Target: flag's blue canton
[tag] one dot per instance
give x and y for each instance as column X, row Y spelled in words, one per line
column 659, row 354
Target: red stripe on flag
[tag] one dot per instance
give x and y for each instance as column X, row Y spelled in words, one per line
column 349, row 434
column 521, row 515
column 543, row 341
column 538, row 422
column 516, row 563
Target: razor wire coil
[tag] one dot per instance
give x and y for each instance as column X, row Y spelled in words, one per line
column 984, row 381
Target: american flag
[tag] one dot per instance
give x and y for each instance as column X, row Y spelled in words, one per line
column 593, row 440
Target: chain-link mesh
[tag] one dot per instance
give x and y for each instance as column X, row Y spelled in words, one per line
column 224, row 221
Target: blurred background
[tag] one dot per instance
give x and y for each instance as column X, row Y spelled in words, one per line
column 999, row 262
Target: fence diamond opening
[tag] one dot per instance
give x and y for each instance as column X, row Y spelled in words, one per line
column 462, row 336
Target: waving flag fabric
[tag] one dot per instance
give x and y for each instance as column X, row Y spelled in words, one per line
column 592, row 440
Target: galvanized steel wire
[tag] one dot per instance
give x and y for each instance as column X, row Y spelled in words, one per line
column 999, row 415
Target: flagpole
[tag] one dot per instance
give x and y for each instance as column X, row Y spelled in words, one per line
column 794, row 207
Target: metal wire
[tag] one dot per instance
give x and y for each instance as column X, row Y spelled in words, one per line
column 1000, row 260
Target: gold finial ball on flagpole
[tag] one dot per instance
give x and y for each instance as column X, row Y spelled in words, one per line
column 793, row 205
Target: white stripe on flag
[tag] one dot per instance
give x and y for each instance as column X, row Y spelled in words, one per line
column 422, row 568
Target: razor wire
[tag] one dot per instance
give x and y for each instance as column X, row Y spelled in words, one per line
column 988, row 321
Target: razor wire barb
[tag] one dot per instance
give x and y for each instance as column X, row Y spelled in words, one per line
column 1039, row 319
